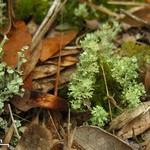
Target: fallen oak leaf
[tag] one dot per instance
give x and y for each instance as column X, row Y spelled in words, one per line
column 35, row 98
column 55, row 42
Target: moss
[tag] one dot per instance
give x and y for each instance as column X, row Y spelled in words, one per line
column 142, row 52
column 36, row 9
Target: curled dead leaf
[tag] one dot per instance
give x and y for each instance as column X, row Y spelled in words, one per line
column 34, row 98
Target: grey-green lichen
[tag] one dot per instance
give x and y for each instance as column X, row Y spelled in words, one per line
column 98, row 52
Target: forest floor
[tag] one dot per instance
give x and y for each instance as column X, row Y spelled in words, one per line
column 43, row 118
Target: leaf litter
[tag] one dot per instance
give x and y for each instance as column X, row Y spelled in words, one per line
column 41, row 69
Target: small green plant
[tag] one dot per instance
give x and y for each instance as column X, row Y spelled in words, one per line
column 36, row 9
column 2, row 16
column 98, row 56
column 81, row 11
column 10, row 78
column 99, row 116
column 124, row 71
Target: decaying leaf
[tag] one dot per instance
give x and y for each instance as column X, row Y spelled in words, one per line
column 47, row 84
column 94, row 138
column 28, row 82
column 124, row 118
column 36, row 98
column 148, row 145
column 66, row 52
column 135, row 127
column 65, row 61
column 143, row 13
column 44, row 71
column 33, row 59
column 55, row 42
column 18, row 38
column 146, row 135
column 35, row 137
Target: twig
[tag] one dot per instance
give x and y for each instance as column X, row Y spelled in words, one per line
column 8, row 137
column 54, row 6
column 101, row 8
column 135, row 18
column 54, row 124
column 58, row 68
column 46, row 23
column 68, row 130
column 128, row 3
column 111, row 99
column 114, row 102
column 13, row 121
column 59, row 62
column 107, row 92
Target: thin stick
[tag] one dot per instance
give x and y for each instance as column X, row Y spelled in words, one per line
column 13, row 121
column 54, row 125
column 8, row 137
column 58, row 68
column 102, row 9
column 59, row 63
column 47, row 25
column 49, row 14
column 127, row 3
column 135, row 18
column 107, row 92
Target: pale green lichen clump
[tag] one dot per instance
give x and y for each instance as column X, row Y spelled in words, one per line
column 98, row 49
column 10, row 78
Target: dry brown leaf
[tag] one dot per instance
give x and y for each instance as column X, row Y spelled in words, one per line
column 135, row 127
column 55, row 42
column 65, row 61
column 18, row 38
column 146, row 135
column 44, row 71
column 36, row 98
column 46, row 84
column 27, row 83
column 33, row 59
column 65, row 52
column 124, row 118
column 35, row 137
column 143, row 13
column 68, row 61
column 148, row 145
column 94, row 138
